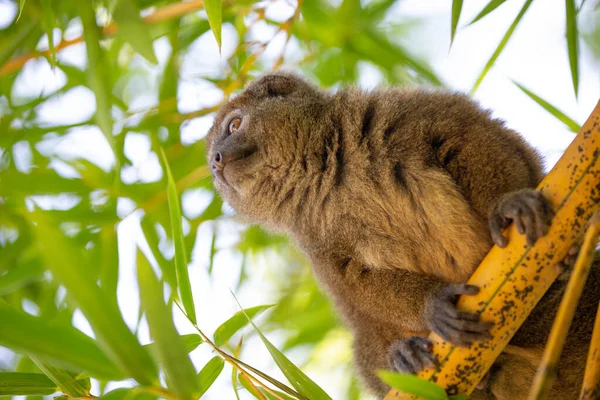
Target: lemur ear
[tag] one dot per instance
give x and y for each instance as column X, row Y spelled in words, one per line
column 275, row 85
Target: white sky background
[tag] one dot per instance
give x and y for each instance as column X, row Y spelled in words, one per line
column 536, row 56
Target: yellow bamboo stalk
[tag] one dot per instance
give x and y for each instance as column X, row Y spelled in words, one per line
column 546, row 372
column 160, row 15
column 591, row 379
column 514, row 279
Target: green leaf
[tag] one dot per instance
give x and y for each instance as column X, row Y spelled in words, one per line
column 215, row 18
column 572, row 125
column 250, row 387
column 224, row 332
column 501, row 46
column 209, row 374
column 572, row 43
column 49, row 22
column 68, row 266
column 171, row 352
column 67, row 381
column 299, row 380
column 64, row 345
column 128, row 394
column 183, row 278
column 411, row 384
column 133, row 29
column 456, row 9
column 213, row 250
column 190, row 341
column 25, row 384
column 491, row 6
column 21, row 6
column 98, row 74
column 20, row 275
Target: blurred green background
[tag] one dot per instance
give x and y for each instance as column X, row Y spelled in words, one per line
column 92, row 93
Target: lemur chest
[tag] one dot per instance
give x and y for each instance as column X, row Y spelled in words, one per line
column 428, row 228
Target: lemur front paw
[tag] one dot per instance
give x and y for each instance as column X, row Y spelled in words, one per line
column 530, row 211
column 459, row 327
column 412, row 355
column 565, row 267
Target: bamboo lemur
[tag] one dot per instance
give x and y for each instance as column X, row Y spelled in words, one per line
column 389, row 193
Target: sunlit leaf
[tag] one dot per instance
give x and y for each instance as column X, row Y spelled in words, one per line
column 501, row 46
column 215, row 18
column 414, row 385
column 21, row 6
column 66, row 381
column 171, row 352
column 20, row 275
column 299, row 380
column 68, row 267
column 213, row 249
column 48, row 22
column 209, row 374
column 570, row 123
column 133, row 29
column 190, row 342
column 25, row 384
column 98, row 74
column 181, row 266
column 64, row 345
column 456, row 9
column 250, row 387
column 491, row 6
column 572, row 43
column 226, row 330
column 128, row 394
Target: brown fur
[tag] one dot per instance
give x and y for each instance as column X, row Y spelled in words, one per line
column 388, row 193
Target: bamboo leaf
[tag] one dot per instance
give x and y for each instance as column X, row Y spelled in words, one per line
column 21, row 6
column 64, row 345
column 299, row 380
column 25, row 384
column 133, row 29
column 209, row 374
column 456, row 10
column 250, row 387
column 99, row 80
column 572, row 45
column 213, row 250
column 501, row 46
column 68, row 267
column 572, row 125
column 414, row 385
column 215, row 18
column 226, row 330
column 491, row 6
column 183, row 278
column 171, row 352
column 190, row 343
column 48, row 22
column 66, row 381
column 20, row 275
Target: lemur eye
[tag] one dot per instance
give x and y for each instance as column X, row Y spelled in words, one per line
column 234, row 125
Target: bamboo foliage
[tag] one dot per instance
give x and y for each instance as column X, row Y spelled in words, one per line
column 514, row 279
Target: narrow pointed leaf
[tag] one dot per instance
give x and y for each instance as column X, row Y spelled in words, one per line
column 213, row 250
column 226, row 330
column 64, row 345
column 491, row 6
column 411, row 384
column 456, row 10
column 181, row 266
column 134, row 30
column 48, row 22
column 572, row 45
column 501, row 46
column 69, row 268
column 572, row 125
column 171, row 352
column 20, row 275
column 66, row 381
column 299, row 380
column 25, row 384
column 209, row 374
column 250, row 387
column 98, row 74
column 190, row 343
column 215, row 17
column 21, row 6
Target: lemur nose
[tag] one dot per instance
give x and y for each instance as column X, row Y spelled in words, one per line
column 217, row 162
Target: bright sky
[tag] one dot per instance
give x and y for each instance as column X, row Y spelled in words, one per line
column 536, row 57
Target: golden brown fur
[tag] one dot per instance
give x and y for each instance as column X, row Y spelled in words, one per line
column 388, row 193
